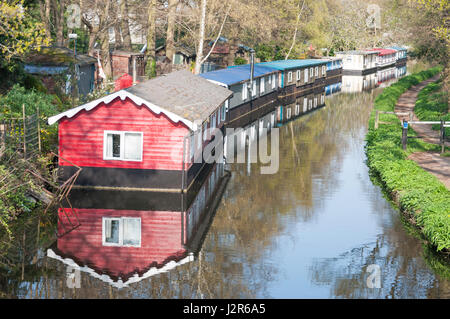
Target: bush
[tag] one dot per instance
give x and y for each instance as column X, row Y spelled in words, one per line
column 415, row 190
column 11, row 103
column 240, row 61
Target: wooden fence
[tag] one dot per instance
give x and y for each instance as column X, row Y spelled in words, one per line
column 405, row 124
column 21, row 134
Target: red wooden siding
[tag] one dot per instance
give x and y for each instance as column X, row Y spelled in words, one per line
column 161, row 237
column 81, row 137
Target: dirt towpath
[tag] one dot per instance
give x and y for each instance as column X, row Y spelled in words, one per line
column 432, row 162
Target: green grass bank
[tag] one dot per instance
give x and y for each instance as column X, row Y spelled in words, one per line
column 418, row 194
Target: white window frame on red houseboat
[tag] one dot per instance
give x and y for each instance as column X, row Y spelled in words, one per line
column 122, row 146
column 121, row 231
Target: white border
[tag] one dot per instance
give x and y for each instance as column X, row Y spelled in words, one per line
column 122, row 95
column 119, row 283
column 122, row 146
column 120, row 244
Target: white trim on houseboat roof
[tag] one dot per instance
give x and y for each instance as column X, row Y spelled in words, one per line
column 122, row 94
column 119, row 283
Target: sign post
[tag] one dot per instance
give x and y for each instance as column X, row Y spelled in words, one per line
column 404, row 134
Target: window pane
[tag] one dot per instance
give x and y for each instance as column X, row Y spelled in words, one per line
column 113, row 145
column 133, row 146
column 132, row 231
column 112, row 231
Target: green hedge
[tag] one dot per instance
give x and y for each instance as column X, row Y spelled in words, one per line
column 415, row 191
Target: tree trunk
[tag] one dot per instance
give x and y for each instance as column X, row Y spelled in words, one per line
column 117, row 36
column 201, row 39
column 170, row 45
column 59, row 7
column 150, row 68
column 104, row 38
column 46, row 7
column 125, row 25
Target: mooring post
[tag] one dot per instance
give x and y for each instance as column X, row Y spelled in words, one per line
column 38, row 130
column 377, row 118
column 404, row 134
column 24, row 133
column 442, row 137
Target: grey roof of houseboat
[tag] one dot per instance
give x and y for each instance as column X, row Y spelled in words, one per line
column 357, row 52
column 236, row 74
column 181, row 96
column 183, row 93
column 291, row 64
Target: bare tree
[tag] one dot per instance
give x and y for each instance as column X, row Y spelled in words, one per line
column 201, row 38
column 125, row 24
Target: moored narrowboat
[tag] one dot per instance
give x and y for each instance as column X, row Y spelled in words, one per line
column 386, row 58
column 249, row 101
column 299, row 78
column 401, row 55
column 358, row 62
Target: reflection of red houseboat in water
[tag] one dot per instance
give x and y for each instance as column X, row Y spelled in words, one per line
column 125, row 237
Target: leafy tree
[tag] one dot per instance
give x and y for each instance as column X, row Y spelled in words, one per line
column 19, row 33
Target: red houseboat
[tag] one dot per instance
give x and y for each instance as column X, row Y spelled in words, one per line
column 141, row 137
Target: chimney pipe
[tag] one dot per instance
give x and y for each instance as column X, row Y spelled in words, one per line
column 252, row 68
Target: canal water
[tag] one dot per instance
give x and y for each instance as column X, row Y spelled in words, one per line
column 318, row 228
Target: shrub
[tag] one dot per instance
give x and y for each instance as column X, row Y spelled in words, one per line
column 240, row 61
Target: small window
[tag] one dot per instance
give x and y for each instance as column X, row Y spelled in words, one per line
column 244, row 91
column 298, row 75
column 213, row 121
column 254, row 88
column 315, row 102
column 310, row 104
column 290, row 77
column 323, row 70
column 322, row 99
column 306, row 75
column 205, row 129
column 297, row 109
column 288, row 113
column 311, row 72
column 262, row 85
column 305, row 105
column 125, row 146
column 123, row 231
column 273, row 81
column 317, row 71
column 224, row 111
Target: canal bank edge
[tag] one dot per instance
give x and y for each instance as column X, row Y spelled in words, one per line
column 420, row 196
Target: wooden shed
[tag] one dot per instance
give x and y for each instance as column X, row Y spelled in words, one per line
column 141, row 137
column 131, row 63
column 55, row 66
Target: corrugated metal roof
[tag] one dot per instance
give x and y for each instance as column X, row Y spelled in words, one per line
column 236, row 74
column 382, row 52
column 181, row 96
column 290, row 64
